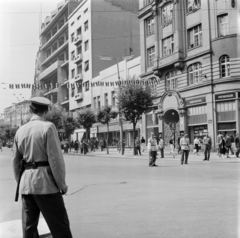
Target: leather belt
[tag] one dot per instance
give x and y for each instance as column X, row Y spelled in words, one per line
column 35, row 165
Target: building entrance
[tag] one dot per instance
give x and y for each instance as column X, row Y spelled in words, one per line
column 171, row 126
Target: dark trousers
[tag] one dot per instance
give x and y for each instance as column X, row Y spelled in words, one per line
column 238, row 151
column 152, row 157
column 185, row 154
column 162, row 153
column 229, row 148
column 53, row 210
column 179, row 148
column 207, row 152
column 138, row 150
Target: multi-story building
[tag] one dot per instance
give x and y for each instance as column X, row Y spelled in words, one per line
column 52, row 58
column 17, row 114
column 98, row 27
column 192, row 46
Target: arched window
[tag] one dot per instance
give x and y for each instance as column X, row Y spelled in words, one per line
column 195, row 73
column 225, row 69
column 171, row 80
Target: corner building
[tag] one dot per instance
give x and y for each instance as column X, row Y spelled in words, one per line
column 193, row 47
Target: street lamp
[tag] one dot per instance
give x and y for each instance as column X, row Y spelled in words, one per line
column 109, row 58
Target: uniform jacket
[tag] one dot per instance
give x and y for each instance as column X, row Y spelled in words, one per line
column 152, row 144
column 228, row 141
column 207, row 141
column 184, row 143
column 34, row 142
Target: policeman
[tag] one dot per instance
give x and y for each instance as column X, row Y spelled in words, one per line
column 42, row 178
column 152, row 148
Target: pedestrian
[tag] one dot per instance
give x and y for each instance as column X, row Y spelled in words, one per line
column 101, row 144
column 228, row 144
column 137, row 146
column 232, row 145
column 219, row 137
column 207, row 141
column 85, row 146
column 222, row 147
column 123, row 146
column 41, row 181
column 196, row 145
column 76, row 146
column 178, row 142
column 81, row 146
column 152, row 148
column 171, row 145
column 143, row 144
column 66, row 146
column 237, row 144
column 1, row 145
column 184, row 143
column 161, row 146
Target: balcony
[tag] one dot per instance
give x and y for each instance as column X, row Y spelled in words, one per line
column 78, row 39
column 55, row 53
column 78, row 96
column 78, row 58
column 50, row 70
column 65, row 63
column 66, row 100
column 51, row 91
column 79, row 77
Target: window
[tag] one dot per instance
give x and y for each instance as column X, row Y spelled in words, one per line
column 195, row 73
column 72, row 23
column 171, row 80
column 79, row 31
column 86, row 66
column 225, row 68
column 72, row 90
column 99, row 102
column 113, row 99
column 150, row 56
column 87, row 86
column 79, row 69
column 79, row 88
column 106, row 99
column 73, row 73
column 168, row 45
column 79, row 49
column 79, row 17
column 193, row 5
column 94, row 103
column 199, row 110
column 195, row 36
column 223, row 25
column 73, row 55
column 167, row 13
column 146, row 2
column 226, row 106
column 150, row 25
column 86, row 45
column 72, row 37
column 85, row 11
column 86, row 26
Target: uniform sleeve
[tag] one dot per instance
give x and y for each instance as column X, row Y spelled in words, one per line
column 149, row 145
column 16, row 160
column 55, row 158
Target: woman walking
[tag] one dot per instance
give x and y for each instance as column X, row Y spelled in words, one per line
column 171, row 144
column 196, row 145
column 222, row 147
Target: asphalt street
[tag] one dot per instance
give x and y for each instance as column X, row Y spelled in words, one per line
column 120, row 196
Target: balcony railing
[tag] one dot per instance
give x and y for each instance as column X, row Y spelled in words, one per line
column 78, row 96
column 78, row 58
column 53, row 67
column 78, row 39
column 79, row 77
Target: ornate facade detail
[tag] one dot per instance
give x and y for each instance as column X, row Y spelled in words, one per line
column 181, row 112
column 179, row 65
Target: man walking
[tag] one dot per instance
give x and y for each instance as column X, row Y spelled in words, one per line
column 228, row 145
column 161, row 146
column 143, row 144
column 152, row 147
column 137, row 146
column 237, row 144
column 207, row 141
column 184, row 143
column 219, row 138
column 41, row 180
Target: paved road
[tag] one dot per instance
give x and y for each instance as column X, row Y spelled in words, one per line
column 115, row 196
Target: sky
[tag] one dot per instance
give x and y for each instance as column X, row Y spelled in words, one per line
column 19, row 43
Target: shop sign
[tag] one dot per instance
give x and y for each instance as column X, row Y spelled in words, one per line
column 225, row 96
column 195, row 101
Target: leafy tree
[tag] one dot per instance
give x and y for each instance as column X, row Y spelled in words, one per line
column 69, row 124
column 104, row 116
column 134, row 100
column 86, row 118
column 55, row 116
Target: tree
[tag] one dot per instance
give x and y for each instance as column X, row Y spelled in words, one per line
column 69, row 124
column 104, row 115
column 134, row 100
column 55, row 116
column 86, row 118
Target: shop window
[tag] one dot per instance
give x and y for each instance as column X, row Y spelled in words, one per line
column 199, row 110
column 223, row 25
column 226, row 106
column 150, row 56
column 193, row 5
column 150, row 25
column 167, row 13
column 195, row 36
column 168, row 45
column 195, row 73
column 171, row 80
column 225, row 67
